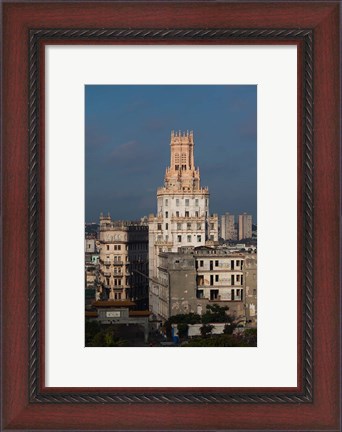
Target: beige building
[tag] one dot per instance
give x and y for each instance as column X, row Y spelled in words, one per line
column 251, row 288
column 245, row 226
column 123, row 260
column 221, row 279
column 228, row 230
column 190, row 279
column 183, row 217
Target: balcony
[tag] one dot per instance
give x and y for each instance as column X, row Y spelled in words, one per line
column 118, row 263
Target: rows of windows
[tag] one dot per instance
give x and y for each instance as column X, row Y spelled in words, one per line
column 235, row 294
column 186, row 202
column 233, row 263
column 186, row 214
column 189, row 238
column 181, row 226
column 131, row 246
column 216, row 278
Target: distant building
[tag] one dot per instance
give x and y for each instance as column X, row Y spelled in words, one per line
column 123, row 260
column 228, row 230
column 245, row 226
column 183, row 217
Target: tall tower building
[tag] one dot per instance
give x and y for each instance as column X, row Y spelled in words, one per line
column 182, row 209
column 228, row 231
column 245, row 226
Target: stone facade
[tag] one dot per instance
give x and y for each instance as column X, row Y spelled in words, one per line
column 183, row 217
column 251, row 288
column 123, row 260
column 190, row 279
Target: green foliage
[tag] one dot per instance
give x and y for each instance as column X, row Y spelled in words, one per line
column 190, row 318
column 229, row 328
column 182, row 330
column 222, row 340
column 216, row 314
column 251, row 336
column 98, row 335
column 206, row 330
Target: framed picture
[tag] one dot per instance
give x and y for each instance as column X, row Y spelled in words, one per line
column 76, row 72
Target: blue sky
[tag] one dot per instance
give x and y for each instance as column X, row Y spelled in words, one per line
column 127, row 145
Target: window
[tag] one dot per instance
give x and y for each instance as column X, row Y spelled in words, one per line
column 186, row 214
column 88, row 246
column 216, row 278
column 186, row 203
column 198, row 226
column 216, row 263
column 196, row 202
column 237, row 278
column 238, row 292
column 199, row 294
column 166, row 202
column 177, row 202
column 176, row 167
column 196, row 214
column 199, row 238
column 107, row 247
column 177, row 214
column 179, row 238
column 211, row 226
column 159, row 227
column 166, row 214
column 201, row 263
column 214, row 294
column 212, row 237
column 166, row 226
column 179, row 226
column 189, row 238
column 188, row 225
column 237, row 263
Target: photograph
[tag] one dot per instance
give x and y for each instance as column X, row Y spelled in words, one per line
column 170, row 216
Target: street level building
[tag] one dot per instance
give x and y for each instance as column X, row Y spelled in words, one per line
column 123, row 261
column 190, row 279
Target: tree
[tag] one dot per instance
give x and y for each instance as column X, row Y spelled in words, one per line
column 215, row 314
column 206, row 330
column 182, row 330
column 229, row 328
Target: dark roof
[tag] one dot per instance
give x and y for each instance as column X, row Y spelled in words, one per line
column 140, row 313
column 113, row 303
column 91, row 314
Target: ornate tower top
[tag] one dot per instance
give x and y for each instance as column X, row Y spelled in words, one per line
column 182, row 175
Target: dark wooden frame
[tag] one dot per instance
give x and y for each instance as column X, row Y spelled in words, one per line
column 28, row 404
